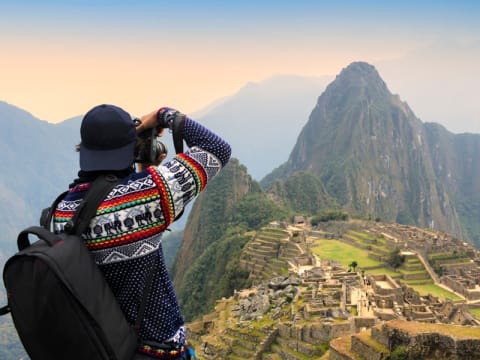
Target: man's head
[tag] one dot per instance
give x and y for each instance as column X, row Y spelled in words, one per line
column 108, row 139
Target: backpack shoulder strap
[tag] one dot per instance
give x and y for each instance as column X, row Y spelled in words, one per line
column 47, row 213
column 97, row 192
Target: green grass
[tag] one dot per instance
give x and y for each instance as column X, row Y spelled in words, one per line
column 412, row 261
column 475, row 312
column 366, row 338
column 411, row 272
column 384, row 271
column 441, row 257
column 359, row 235
column 365, row 236
column 343, row 253
column 413, row 283
column 435, row 291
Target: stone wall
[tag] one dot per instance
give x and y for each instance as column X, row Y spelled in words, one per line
column 366, row 351
column 429, row 340
column 361, row 323
column 316, row 333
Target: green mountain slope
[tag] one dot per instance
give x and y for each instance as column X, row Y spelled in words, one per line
column 206, row 265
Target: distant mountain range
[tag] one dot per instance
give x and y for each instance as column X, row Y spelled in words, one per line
column 262, row 120
column 38, row 161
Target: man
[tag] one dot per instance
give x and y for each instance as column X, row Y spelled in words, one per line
column 125, row 235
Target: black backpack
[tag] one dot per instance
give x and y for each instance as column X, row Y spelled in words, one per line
column 60, row 303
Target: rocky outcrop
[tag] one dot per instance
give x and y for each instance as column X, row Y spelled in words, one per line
column 413, row 340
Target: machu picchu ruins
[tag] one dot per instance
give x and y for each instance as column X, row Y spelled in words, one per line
column 305, row 306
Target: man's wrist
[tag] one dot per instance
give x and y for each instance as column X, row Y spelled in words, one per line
column 165, row 117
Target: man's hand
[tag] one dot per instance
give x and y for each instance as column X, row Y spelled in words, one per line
column 148, row 121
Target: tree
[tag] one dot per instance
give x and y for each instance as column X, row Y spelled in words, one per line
column 399, row 353
column 353, row 265
column 395, row 259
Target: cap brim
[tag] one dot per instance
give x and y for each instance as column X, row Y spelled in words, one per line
column 116, row 159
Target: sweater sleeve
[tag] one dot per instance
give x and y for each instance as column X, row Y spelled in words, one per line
column 197, row 135
column 186, row 175
column 194, row 134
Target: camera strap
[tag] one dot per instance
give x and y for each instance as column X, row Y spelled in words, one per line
column 177, row 134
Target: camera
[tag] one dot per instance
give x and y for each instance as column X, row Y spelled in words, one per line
column 148, row 147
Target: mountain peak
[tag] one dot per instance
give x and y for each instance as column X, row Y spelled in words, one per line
column 371, row 153
column 360, row 74
column 360, row 66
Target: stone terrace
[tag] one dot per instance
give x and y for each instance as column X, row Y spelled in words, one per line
column 269, row 253
column 418, row 340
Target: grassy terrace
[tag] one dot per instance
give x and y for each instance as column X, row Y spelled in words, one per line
column 445, row 256
column 455, row 331
column 366, row 338
column 343, row 346
column 384, row 271
column 343, row 253
column 439, row 259
column 435, row 290
column 475, row 312
column 377, row 245
column 346, row 253
column 404, row 271
column 366, row 238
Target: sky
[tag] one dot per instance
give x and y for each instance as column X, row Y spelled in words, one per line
column 60, row 58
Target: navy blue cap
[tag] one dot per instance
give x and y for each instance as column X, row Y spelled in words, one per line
column 108, row 139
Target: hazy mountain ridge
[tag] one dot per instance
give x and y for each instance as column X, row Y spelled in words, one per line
column 38, row 162
column 262, row 120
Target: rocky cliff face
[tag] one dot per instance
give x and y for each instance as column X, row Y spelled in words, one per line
column 456, row 166
column 378, row 160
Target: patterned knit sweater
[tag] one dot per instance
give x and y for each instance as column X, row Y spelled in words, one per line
column 125, row 235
